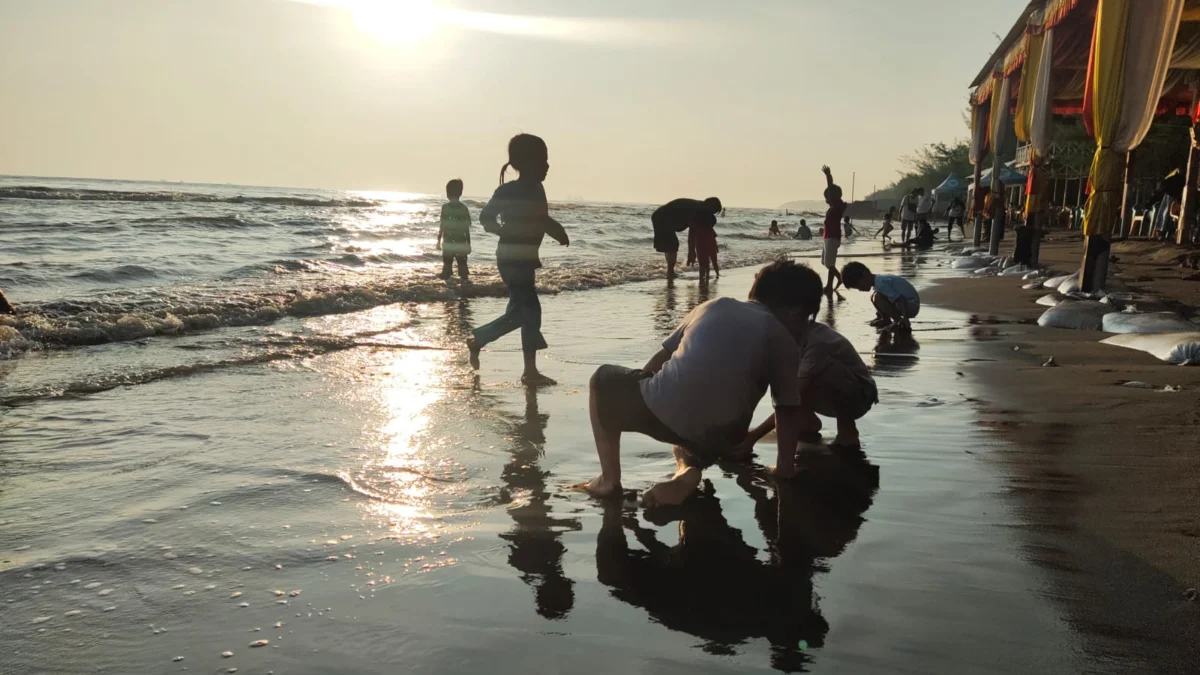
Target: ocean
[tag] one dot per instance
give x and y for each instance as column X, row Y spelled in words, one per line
column 238, row 433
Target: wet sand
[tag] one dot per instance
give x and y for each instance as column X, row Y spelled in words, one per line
column 1106, row 473
column 423, row 515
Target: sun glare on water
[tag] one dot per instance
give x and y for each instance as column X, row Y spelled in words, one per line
column 396, row 23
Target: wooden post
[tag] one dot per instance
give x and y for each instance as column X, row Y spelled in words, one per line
column 977, row 235
column 1001, row 212
column 1190, row 195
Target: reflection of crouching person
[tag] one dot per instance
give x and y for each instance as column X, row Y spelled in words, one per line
column 834, row 382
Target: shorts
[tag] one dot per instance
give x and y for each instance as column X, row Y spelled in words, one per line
column 665, row 240
column 840, row 392
column 954, row 220
column 829, row 252
column 621, row 407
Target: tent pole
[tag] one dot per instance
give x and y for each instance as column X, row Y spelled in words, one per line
column 977, row 235
column 1096, row 248
column 1190, row 196
column 1001, row 212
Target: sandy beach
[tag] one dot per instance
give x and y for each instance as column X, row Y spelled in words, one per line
column 1106, row 472
column 379, row 504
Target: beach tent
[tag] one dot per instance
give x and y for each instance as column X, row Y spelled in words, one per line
column 951, row 185
column 1008, row 176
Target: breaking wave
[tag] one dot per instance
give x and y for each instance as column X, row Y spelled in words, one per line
column 81, row 194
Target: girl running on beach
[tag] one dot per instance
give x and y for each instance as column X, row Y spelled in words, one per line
column 518, row 213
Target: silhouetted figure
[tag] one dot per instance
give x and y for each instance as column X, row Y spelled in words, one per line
column 908, row 213
column 924, row 239
column 887, row 227
column 954, row 216
column 676, row 216
column 454, row 232
column 831, row 234
column 773, row 230
column 803, row 232
column 518, row 213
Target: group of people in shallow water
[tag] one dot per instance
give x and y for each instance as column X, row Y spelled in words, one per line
column 699, row 392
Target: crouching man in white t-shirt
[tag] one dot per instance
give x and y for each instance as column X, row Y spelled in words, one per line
column 699, row 392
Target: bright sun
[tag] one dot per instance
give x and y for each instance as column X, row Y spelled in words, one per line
column 396, row 23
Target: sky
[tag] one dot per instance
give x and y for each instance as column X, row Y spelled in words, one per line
column 638, row 100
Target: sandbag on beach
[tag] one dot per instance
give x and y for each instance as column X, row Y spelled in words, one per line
column 1174, row 348
column 1149, row 322
column 1081, row 315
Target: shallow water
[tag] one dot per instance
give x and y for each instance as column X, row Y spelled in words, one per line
column 346, row 488
column 95, row 261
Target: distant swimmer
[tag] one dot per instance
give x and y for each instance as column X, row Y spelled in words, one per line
column 5, row 306
column 803, row 232
column 773, row 231
column 675, row 217
column 847, row 228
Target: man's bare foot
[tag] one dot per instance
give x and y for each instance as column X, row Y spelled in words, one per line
column 536, row 379
column 474, row 355
column 601, row 487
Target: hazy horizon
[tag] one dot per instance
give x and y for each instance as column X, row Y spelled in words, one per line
column 638, row 102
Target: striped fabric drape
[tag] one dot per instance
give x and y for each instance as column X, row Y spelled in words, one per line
column 1131, row 49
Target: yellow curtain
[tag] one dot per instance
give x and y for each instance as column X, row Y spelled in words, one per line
column 1129, row 65
column 1029, row 107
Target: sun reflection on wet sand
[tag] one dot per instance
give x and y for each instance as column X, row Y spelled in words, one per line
column 401, row 468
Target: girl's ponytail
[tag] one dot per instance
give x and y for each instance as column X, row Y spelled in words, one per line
column 504, row 170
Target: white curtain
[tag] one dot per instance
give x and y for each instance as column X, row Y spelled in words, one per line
column 1000, row 112
column 1042, row 130
column 979, row 133
column 1150, row 40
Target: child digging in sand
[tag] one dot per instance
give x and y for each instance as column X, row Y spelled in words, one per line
column 833, row 382
column 895, row 300
column 524, row 220
column 699, row 392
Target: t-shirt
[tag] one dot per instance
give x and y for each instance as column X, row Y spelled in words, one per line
column 908, row 207
column 833, row 220
column 892, row 287
column 925, row 206
column 521, row 207
column 678, row 214
column 456, row 228
column 723, row 357
column 956, row 208
column 821, row 344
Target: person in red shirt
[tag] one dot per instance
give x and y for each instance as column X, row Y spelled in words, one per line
column 832, row 237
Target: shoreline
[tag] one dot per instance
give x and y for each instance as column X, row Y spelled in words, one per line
column 1104, row 474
